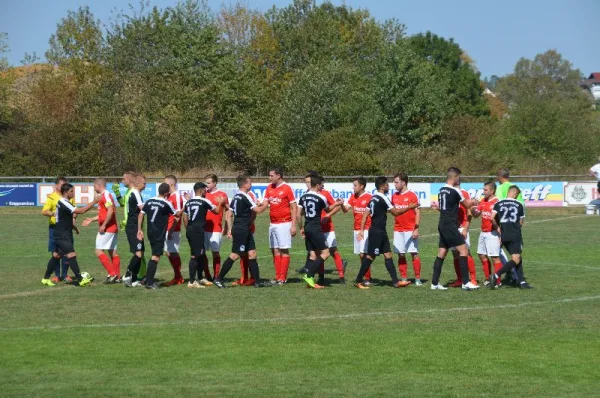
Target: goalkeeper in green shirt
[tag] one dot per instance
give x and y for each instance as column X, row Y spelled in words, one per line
column 128, row 182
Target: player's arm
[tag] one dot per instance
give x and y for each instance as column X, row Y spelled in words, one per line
column 140, row 233
column 415, row 234
column 81, row 210
column 110, row 210
column 396, row 212
column 345, row 207
column 495, row 225
column 88, row 221
column 363, row 224
column 299, row 217
column 46, row 209
column 294, row 214
column 117, row 191
column 184, row 220
column 334, row 208
column 468, row 203
column 261, row 207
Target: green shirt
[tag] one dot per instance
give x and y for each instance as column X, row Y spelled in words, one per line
column 125, row 201
column 502, row 192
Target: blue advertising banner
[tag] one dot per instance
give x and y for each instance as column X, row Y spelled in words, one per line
column 18, row 194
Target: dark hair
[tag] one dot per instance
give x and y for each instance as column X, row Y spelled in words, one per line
column 163, row 189
column 65, row 188
column 491, row 184
column 402, row 177
column 171, row 177
column 241, row 179
column 213, row 178
column 198, row 186
column 315, row 180
column 59, row 180
column 361, row 181
column 504, row 173
column 277, row 170
column 515, row 188
column 380, row 181
column 453, row 170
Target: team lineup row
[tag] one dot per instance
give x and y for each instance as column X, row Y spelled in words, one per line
column 208, row 216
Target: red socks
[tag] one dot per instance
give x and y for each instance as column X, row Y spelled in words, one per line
column 457, row 269
column 497, row 266
column 116, row 263
column 368, row 274
column 244, row 269
column 106, row 263
column 176, row 264
column 216, row 263
column 472, row 273
column 277, row 265
column 486, row 268
column 205, row 268
column 339, row 264
column 285, row 265
column 417, row 267
column 403, row 267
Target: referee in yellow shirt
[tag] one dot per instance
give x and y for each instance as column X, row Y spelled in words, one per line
column 49, row 211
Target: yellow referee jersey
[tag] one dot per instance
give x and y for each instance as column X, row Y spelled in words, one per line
column 50, row 205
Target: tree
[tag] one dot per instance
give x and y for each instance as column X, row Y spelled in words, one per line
column 453, row 64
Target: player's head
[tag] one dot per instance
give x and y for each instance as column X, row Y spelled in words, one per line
column 275, row 175
column 172, row 181
column 453, row 176
column 513, row 192
column 67, row 190
column 381, row 184
column 489, row 189
column 128, row 177
column 164, row 190
column 359, row 185
column 211, row 181
column 503, row 175
column 309, row 174
column 244, row 182
column 316, row 183
column 139, row 182
column 59, row 182
column 99, row 185
column 200, row 189
column 400, row 181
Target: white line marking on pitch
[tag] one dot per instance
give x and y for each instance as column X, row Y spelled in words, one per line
column 296, row 319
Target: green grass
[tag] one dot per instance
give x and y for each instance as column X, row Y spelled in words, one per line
column 289, row 340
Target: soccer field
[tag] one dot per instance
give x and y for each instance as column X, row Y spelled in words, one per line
column 293, row 341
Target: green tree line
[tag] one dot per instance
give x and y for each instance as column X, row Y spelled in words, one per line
column 306, row 86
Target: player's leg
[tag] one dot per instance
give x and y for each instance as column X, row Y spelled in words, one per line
column 274, row 246
column 400, row 249
column 443, row 247
column 482, row 253
column 114, row 258
column 238, row 248
column 372, row 251
column 153, row 266
column 172, row 252
column 50, row 268
column 103, row 242
column 457, row 271
column 463, row 259
column 331, row 240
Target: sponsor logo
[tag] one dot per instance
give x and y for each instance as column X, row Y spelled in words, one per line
column 376, row 252
column 4, row 193
column 578, row 193
column 242, row 248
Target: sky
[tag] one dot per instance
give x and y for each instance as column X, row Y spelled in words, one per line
column 494, row 33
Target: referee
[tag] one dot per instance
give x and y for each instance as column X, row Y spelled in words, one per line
column 49, row 210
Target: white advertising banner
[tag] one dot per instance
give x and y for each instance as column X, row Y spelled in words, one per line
column 581, row 193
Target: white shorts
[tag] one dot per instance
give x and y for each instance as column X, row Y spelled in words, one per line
column 212, row 241
column 280, row 236
column 330, row 239
column 489, row 244
column 172, row 245
column 404, row 243
column 360, row 246
column 467, row 239
column 106, row 241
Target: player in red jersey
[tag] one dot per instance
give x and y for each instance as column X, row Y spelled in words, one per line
column 106, row 239
column 489, row 245
column 464, row 222
column 173, row 238
column 406, row 228
column 328, row 230
column 214, row 230
column 359, row 204
column 283, row 214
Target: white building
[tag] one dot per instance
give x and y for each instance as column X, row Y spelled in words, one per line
column 592, row 83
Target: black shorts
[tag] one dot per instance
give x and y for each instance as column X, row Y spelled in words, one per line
column 513, row 247
column 157, row 246
column 450, row 236
column 378, row 243
column 314, row 239
column 196, row 241
column 135, row 245
column 243, row 242
column 63, row 245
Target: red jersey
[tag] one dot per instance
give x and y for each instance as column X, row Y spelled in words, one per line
column 177, row 201
column 280, row 199
column 405, row 222
column 252, row 227
column 463, row 215
column 214, row 222
column 107, row 200
column 485, row 207
column 328, row 226
column 360, row 206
